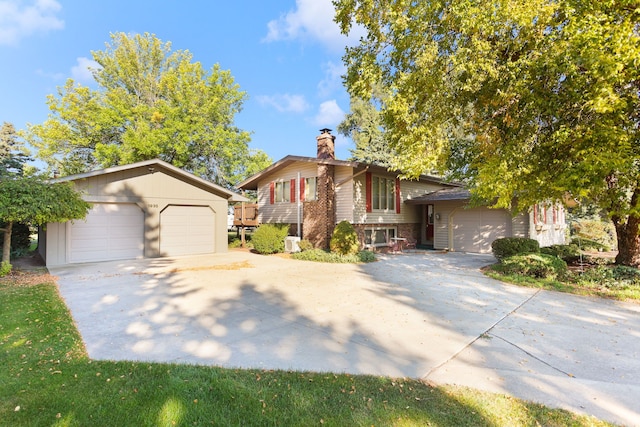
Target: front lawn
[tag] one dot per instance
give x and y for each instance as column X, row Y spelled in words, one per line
column 47, row 379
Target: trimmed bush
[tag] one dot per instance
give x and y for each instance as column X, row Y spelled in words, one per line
column 568, row 253
column 305, row 245
column 540, row 266
column 345, row 239
column 5, row 268
column 510, row 246
column 269, row 238
column 320, row 255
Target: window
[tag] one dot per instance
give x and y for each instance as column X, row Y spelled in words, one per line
column 383, row 193
column 283, row 192
column 378, row 236
column 311, row 188
column 540, row 214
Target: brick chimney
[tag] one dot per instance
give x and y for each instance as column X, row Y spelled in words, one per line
column 319, row 215
column 326, row 144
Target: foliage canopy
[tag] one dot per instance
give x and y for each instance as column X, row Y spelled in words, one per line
column 151, row 102
column 525, row 100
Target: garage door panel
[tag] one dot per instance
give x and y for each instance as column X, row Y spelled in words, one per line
column 187, row 230
column 111, row 231
column 475, row 229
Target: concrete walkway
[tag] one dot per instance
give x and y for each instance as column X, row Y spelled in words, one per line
column 431, row 316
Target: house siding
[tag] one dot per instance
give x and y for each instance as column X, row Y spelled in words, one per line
column 520, row 225
column 283, row 212
column 345, row 194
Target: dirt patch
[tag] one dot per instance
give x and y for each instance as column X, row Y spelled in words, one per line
column 26, row 278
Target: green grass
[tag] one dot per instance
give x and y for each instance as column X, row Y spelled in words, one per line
column 47, row 380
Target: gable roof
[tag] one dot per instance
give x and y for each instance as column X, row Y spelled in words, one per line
column 251, row 183
column 155, row 165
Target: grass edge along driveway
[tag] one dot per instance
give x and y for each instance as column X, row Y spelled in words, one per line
column 47, row 379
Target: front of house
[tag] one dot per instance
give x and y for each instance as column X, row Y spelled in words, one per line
column 313, row 194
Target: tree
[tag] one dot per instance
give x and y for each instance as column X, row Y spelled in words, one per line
column 34, row 201
column 12, row 155
column 526, row 100
column 364, row 126
column 150, row 102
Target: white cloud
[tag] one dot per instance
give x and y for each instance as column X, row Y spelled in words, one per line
column 18, row 20
column 81, row 72
column 329, row 114
column 285, row 103
column 311, row 19
column 332, row 78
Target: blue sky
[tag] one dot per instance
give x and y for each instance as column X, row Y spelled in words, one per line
column 286, row 54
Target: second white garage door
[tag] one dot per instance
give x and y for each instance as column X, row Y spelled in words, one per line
column 187, row 230
column 475, row 229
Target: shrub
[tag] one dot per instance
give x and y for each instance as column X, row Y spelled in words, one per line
column 618, row 276
column 588, row 244
column 5, row 268
column 540, row 266
column 367, row 256
column 509, row 246
column 269, row 238
column 305, row 245
column 320, row 255
column 345, row 239
column 568, row 253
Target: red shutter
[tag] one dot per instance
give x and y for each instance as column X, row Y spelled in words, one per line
column 368, row 195
column 302, row 189
column 398, row 200
column 535, row 214
column 292, row 190
column 272, row 192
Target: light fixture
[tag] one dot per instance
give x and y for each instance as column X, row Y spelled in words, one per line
column 438, row 216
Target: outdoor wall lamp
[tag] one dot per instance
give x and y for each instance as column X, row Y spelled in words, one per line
column 438, row 216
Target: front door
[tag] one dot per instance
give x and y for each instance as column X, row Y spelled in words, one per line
column 429, row 221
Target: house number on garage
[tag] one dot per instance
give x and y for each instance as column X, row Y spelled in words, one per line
column 152, row 205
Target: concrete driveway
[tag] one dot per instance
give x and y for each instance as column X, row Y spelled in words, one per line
column 426, row 315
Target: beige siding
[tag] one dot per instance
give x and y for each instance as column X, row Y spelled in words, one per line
column 344, row 194
column 285, row 213
column 152, row 192
column 410, row 190
column 443, row 210
column 520, row 225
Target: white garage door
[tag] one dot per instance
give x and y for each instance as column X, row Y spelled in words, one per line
column 187, row 230
column 475, row 229
column 111, row 231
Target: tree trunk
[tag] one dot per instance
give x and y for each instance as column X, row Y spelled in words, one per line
column 6, row 246
column 628, row 241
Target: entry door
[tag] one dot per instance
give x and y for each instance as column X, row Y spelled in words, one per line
column 429, row 221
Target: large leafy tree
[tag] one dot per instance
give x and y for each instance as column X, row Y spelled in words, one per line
column 150, row 102
column 528, row 100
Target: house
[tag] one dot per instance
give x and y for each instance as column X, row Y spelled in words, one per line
column 147, row 209
column 313, row 194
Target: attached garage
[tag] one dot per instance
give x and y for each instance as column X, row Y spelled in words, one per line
column 111, row 231
column 187, row 230
column 147, row 209
column 473, row 230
